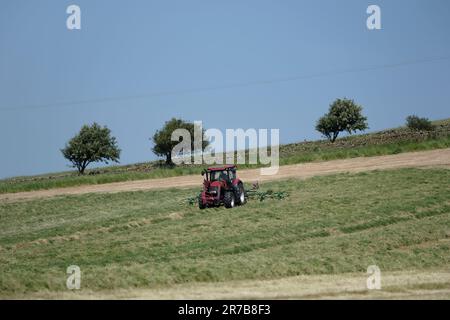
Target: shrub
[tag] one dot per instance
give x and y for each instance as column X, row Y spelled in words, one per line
column 419, row 124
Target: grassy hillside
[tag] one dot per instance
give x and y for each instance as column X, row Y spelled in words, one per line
column 379, row 143
column 328, row 225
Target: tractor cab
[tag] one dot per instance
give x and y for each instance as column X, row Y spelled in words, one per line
column 221, row 185
column 222, row 175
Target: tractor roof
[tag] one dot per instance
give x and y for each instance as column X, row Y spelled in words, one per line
column 227, row 167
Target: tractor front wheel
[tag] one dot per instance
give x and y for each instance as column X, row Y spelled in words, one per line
column 228, row 199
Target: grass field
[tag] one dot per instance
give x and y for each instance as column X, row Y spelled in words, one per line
column 392, row 141
column 329, row 225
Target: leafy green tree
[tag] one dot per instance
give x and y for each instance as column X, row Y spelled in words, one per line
column 419, row 124
column 343, row 115
column 162, row 139
column 92, row 144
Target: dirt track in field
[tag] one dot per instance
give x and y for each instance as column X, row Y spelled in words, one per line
column 426, row 284
column 434, row 158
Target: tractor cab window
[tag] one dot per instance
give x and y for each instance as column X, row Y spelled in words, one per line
column 218, row 175
column 223, row 176
column 213, row 176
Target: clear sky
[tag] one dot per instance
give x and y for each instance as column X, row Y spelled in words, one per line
column 143, row 48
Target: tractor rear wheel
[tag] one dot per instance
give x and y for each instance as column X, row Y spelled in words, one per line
column 240, row 195
column 228, row 199
column 201, row 205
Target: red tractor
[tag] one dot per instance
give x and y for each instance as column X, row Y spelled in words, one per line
column 221, row 186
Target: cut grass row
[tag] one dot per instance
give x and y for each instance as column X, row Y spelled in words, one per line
column 397, row 219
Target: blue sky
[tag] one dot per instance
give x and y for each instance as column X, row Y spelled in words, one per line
column 138, row 48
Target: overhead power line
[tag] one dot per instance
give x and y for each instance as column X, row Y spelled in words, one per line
column 230, row 86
